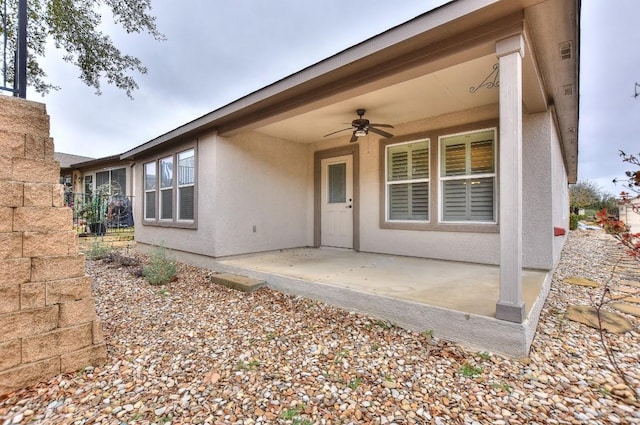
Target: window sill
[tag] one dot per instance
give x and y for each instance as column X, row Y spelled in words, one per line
column 170, row 224
column 443, row 227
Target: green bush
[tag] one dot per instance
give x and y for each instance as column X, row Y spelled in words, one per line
column 161, row 268
column 98, row 250
column 590, row 214
column 573, row 221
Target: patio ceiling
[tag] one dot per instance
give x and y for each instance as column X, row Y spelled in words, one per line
column 430, row 95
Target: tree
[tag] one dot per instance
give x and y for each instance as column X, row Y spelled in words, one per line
column 616, row 227
column 583, row 194
column 73, row 25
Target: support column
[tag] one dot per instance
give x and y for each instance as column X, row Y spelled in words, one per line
column 510, row 305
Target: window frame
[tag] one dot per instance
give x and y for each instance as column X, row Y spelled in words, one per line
column 469, row 175
column 164, row 189
column 174, row 221
column 180, row 187
column 153, row 190
column 435, row 206
column 410, row 181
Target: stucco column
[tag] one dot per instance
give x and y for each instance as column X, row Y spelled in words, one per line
column 510, row 305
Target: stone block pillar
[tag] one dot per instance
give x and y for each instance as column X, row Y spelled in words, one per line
column 48, row 322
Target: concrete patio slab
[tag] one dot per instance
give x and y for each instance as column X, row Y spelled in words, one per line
column 457, row 301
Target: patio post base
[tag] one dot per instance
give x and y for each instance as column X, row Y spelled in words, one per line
column 510, row 312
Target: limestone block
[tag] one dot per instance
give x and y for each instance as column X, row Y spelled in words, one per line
column 32, row 295
column 41, row 219
column 38, row 194
column 14, row 270
column 10, row 354
column 47, row 244
column 6, row 167
column 32, row 170
column 6, row 219
column 58, row 195
column 49, row 148
column 34, row 146
column 10, row 245
column 26, row 122
column 76, row 312
column 11, row 193
column 56, row 342
column 12, row 144
column 98, row 334
column 76, row 360
column 28, row 374
column 9, row 299
column 56, row 268
column 59, row 291
column 28, row 322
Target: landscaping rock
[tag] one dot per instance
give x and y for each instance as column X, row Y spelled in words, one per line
column 193, row 352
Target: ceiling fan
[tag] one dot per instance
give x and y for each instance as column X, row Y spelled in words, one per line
column 362, row 126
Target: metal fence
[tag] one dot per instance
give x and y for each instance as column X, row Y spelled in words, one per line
column 13, row 47
column 99, row 215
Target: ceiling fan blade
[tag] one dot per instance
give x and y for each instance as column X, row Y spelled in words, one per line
column 380, row 132
column 353, row 137
column 344, row 129
column 381, row 125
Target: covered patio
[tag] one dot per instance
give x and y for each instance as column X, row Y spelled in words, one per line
column 455, row 300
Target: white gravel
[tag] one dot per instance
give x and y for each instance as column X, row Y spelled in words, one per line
column 195, row 352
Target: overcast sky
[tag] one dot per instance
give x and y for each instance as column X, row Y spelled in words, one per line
column 218, row 51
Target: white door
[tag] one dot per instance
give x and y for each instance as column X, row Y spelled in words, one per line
column 336, row 198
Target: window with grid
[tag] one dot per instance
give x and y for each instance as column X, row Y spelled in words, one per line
column 407, row 181
column 166, row 188
column 468, row 177
column 170, row 198
column 150, row 190
column 186, row 184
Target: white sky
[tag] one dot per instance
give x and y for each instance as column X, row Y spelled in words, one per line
column 216, row 52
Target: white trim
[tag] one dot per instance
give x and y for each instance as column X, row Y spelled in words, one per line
column 493, row 175
column 421, row 180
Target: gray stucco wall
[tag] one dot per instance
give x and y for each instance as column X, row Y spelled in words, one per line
column 256, row 180
column 262, row 184
column 537, row 176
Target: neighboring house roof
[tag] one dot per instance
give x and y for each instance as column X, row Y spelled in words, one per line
column 394, row 70
column 90, row 162
column 66, row 160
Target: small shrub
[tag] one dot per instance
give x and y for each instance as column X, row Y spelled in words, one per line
column 291, row 413
column 161, row 268
column 573, row 221
column 354, row 383
column 470, row 371
column 98, row 250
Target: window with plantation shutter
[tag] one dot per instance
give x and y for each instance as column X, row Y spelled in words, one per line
column 407, row 181
column 467, row 175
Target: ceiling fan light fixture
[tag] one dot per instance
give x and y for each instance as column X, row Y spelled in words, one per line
column 360, row 133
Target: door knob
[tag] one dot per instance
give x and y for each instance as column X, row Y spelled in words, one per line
column 348, row 206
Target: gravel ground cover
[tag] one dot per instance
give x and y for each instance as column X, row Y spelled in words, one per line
column 195, row 352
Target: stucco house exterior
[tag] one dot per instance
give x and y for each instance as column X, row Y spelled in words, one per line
column 482, row 97
column 84, row 175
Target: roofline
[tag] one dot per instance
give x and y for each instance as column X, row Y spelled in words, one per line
column 97, row 161
column 403, row 32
